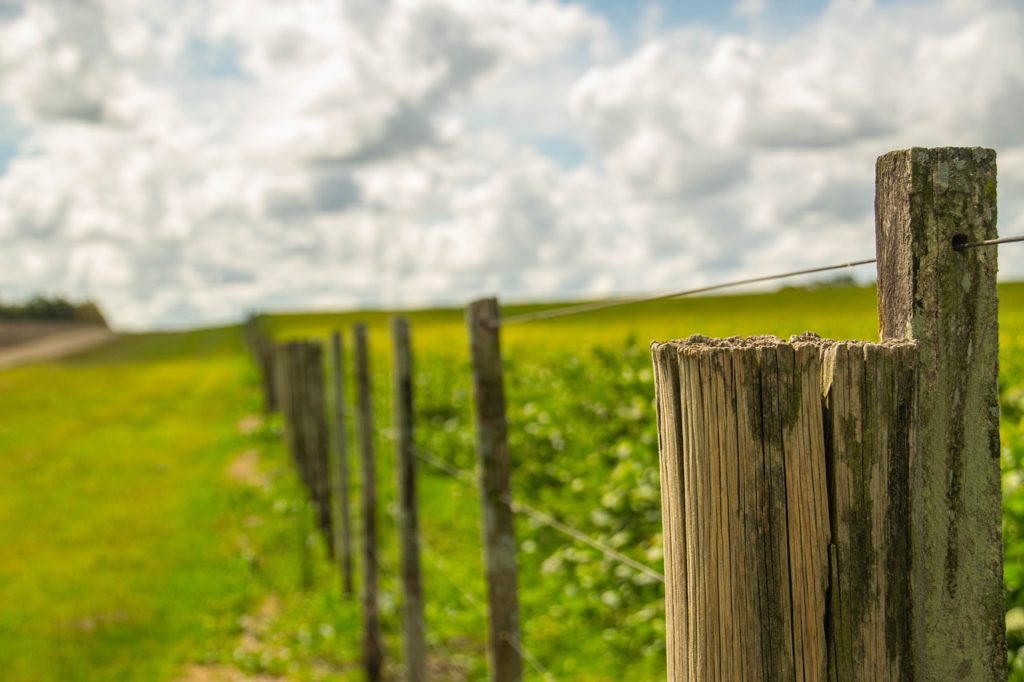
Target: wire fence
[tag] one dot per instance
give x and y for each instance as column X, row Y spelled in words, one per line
column 546, row 518
column 543, row 518
column 605, row 305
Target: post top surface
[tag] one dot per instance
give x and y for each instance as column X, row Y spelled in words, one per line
column 923, row 153
column 700, row 343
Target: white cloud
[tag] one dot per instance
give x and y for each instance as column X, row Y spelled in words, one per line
column 785, row 130
column 185, row 162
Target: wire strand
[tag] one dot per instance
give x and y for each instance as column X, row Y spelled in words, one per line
column 989, row 242
column 547, row 520
column 579, row 536
column 527, row 656
column 462, row 476
column 615, row 303
column 514, row 642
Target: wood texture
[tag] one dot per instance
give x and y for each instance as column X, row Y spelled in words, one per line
column 373, row 646
column 784, row 491
column 341, row 506
column 945, row 300
column 414, row 644
column 870, row 391
column 498, row 527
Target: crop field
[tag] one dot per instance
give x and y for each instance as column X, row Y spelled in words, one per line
column 151, row 523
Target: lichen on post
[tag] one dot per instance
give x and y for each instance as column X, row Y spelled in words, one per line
column 927, row 201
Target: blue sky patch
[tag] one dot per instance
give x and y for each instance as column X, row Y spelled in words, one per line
column 10, row 138
column 213, row 60
column 567, row 152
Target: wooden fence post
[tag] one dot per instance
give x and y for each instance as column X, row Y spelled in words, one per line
column 944, row 299
column 288, row 368
column 831, row 508
column 263, row 350
column 409, row 533
column 373, row 647
column 784, row 489
column 266, row 353
column 306, row 424
column 341, row 505
column 483, row 319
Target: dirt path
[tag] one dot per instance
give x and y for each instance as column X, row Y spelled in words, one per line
column 54, row 346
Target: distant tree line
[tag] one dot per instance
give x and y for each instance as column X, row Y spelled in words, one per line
column 51, row 308
column 837, row 282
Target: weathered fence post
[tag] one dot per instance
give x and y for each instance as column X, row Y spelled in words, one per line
column 287, row 369
column 928, row 200
column 771, row 493
column 412, row 606
column 263, row 350
column 266, row 352
column 498, row 526
column 307, row 422
column 340, row 497
column 299, row 376
column 373, row 646
column 831, row 509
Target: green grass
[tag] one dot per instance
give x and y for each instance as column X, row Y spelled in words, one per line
column 129, row 552
column 126, row 547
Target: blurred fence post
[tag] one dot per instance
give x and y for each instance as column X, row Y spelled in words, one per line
column 340, row 496
column 287, row 379
column 926, row 201
column 266, row 352
column 373, row 646
column 415, row 658
column 317, row 440
column 483, row 320
column 263, row 350
column 300, row 375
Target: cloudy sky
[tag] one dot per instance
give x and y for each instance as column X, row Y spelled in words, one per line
column 183, row 161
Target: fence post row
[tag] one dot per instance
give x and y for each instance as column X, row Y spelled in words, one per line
column 299, row 367
column 373, row 648
column 341, row 503
column 412, row 606
column 831, row 508
column 266, row 351
column 263, row 350
column 498, row 527
column 286, row 370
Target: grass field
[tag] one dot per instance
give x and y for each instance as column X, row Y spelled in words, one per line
column 151, row 526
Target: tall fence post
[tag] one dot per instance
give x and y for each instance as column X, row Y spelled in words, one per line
column 832, row 508
column 340, row 497
column 373, row 647
column 412, row 606
column 483, row 319
column 927, row 201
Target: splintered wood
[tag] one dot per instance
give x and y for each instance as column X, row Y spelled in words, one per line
column 784, row 498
